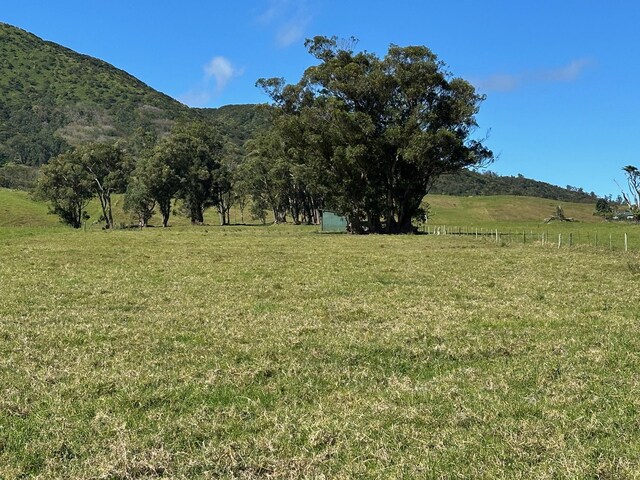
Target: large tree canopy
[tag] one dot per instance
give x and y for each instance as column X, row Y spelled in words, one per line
column 71, row 179
column 369, row 136
column 185, row 165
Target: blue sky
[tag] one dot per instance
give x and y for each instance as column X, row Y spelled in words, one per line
column 561, row 77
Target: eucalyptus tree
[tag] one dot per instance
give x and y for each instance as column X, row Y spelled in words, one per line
column 184, row 165
column 108, row 166
column 70, row 180
column 198, row 149
column 139, row 199
column 156, row 180
column 369, row 135
column 633, row 183
column 65, row 184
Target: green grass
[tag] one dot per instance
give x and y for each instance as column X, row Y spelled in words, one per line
column 248, row 352
column 492, row 211
column 17, row 209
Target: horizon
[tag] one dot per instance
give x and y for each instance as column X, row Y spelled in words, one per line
column 558, row 78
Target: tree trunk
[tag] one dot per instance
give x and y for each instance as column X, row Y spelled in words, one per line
column 109, row 211
column 197, row 215
column 165, row 211
column 404, row 225
column 103, row 205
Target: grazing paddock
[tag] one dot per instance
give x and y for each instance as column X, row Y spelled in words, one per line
column 253, row 352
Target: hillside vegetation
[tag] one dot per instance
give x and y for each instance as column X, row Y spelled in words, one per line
column 467, row 182
column 52, row 97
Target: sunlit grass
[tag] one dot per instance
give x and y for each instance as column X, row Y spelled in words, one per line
column 249, row 352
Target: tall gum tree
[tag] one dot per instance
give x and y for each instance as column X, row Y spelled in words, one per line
column 108, row 166
column 65, row 184
column 375, row 133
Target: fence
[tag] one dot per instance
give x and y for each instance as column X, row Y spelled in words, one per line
column 620, row 241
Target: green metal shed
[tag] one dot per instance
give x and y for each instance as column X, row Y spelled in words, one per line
column 333, row 223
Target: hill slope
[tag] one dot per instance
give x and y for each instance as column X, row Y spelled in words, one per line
column 51, row 96
column 488, row 183
column 501, row 209
column 18, row 209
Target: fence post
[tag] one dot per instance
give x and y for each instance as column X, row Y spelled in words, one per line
column 626, row 246
column 559, row 240
column 570, row 239
column 610, row 246
column 595, row 239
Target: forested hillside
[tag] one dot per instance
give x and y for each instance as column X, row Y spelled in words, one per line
column 52, row 97
column 468, row 182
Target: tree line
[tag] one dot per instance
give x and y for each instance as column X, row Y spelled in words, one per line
column 358, row 134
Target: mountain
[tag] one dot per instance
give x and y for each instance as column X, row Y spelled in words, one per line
column 52, row 97
column 467, row 182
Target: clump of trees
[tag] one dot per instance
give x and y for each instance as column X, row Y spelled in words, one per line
column 365, row 136
column 186, row 165
column 70, row 180
column 362, row 135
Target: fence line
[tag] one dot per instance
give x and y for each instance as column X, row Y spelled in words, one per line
column 620, row 241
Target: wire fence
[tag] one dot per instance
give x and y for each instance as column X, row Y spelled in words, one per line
column 618, row 241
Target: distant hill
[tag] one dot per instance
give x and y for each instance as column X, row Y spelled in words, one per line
column 468, row 183
column 52, row 97
column 503, row 209
column 239, row 122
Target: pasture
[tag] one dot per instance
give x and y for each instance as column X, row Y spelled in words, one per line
column 278, row 352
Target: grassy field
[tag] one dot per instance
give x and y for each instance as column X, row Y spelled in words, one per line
column 18, row 209
column 503, row 210
column 512, row 216
column 277, row 352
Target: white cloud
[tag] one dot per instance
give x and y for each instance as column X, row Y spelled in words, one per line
column 292, row 32
column 289, row 18
column 509, row 82
column 221, row 71
column 568, row 73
